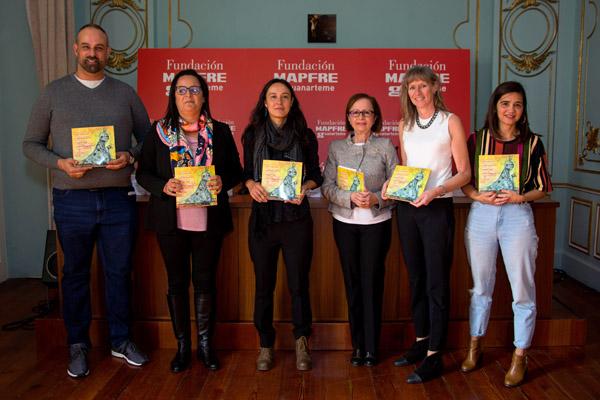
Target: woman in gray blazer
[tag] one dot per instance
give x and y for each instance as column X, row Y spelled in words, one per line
column 361, row 218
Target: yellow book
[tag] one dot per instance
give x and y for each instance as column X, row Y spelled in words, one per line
column 407, row 183
column 282, row 179
column 93, row 145
column 350, row 179
column 498, row 172
column 195, row 186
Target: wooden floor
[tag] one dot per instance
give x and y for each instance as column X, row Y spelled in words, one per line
column 554, row 373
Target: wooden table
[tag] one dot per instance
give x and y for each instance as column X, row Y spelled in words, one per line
column 235, row 282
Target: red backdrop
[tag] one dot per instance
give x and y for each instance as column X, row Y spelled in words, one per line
column 323, row 80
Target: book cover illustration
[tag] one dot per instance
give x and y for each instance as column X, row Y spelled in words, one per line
column 282, row 179
column 350, row 179
column 195, row 186
column 498, row 172
column 407, row 183
column 94, row 145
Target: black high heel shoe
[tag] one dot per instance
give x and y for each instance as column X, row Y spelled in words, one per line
column 416, row 353
column 356, row 358
column 370, row 359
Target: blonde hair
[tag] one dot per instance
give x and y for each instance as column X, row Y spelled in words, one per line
column 426, row 74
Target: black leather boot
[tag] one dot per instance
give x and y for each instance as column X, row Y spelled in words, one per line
column 179, row 307
column 205, row 324
column 416, row 353
column 432, row 367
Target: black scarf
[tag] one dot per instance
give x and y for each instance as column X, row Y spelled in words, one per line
column 268, row 137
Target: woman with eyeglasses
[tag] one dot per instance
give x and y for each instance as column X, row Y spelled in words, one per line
column 189, row 238
column 430, row 137
column 278, row 131
column 362, row 220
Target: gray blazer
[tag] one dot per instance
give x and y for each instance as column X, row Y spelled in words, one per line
column 380, row 158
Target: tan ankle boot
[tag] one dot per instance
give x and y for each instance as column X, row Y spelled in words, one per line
column 516, row 372
column 264, row 362
column 303, row 360
column 473, row 355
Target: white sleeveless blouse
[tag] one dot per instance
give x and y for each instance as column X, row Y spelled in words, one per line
column 430, row 148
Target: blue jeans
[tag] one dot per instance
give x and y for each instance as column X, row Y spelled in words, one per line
column 84, row 217
column 511, row 227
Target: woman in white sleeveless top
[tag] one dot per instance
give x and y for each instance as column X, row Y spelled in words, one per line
column 430, row 137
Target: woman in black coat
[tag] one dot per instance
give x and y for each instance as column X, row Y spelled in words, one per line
column 278, row 131
column 188, row 136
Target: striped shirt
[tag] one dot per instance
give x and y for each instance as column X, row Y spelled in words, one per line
column 532, row 159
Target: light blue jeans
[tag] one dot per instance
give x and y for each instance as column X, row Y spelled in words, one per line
column 511, row 226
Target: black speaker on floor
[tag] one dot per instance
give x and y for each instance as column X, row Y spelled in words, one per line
column 50, row 265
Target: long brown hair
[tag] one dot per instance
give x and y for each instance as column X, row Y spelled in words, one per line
column 295, row 119
column 491, row 118
column 426, row 74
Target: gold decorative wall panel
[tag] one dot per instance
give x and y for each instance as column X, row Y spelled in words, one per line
column 527, row 53
column 525, row 57
column 587, row 124
column 131, row 18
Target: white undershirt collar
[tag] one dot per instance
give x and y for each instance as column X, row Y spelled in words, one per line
column 92, row 84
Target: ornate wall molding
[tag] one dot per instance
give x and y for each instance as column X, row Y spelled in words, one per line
column 564, row 185
column 462, row 24
column 525, row 57
column 587, row 143
column 592, row 144
column 581, row 206
column 597, row 233
column 527, row 52
column 181, row 20
column 123, row 59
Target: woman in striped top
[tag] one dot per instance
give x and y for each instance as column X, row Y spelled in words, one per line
column 501, row 217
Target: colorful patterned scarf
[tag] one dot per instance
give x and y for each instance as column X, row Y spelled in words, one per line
column 179, row 148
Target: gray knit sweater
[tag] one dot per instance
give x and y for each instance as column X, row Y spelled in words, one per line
column 379, row 158
column 66, row 103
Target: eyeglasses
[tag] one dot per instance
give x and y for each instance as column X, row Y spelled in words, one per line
column 363, row 113
column 182, row 90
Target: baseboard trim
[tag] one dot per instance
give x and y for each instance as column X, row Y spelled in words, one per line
column 584, row 270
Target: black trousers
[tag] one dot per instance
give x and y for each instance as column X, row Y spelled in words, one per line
column 294, row 239
column 203, row 250
column 362, row 250
column 427, row 239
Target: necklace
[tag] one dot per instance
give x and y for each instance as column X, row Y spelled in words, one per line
column 427, row 125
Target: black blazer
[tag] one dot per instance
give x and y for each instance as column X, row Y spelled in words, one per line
column 154, row 170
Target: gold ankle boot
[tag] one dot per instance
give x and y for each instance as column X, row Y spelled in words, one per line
column 473, row 355
column 303, row 360
column 516, row 372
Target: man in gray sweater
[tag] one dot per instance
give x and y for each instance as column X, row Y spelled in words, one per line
column 91, row 204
